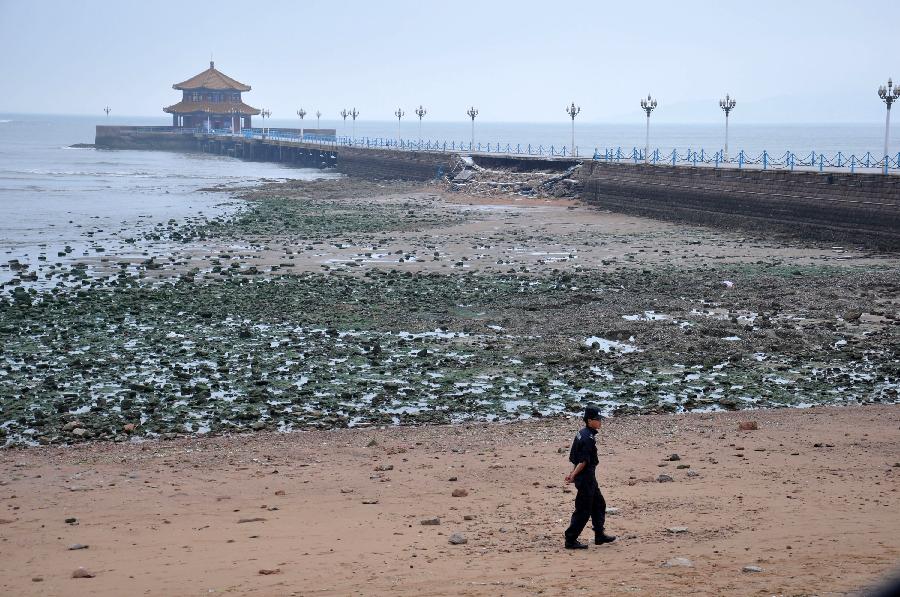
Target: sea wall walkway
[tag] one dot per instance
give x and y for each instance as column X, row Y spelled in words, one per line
column 857, row 207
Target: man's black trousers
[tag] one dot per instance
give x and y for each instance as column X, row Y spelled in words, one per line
column 589, row 504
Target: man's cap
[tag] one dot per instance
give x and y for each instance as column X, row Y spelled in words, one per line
column 592, row 412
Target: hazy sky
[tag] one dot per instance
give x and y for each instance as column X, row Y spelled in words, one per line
column 524, row 60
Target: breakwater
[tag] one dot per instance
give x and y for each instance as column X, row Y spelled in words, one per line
column 858, row 208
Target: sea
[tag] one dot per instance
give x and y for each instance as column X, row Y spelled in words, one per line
column 52, row 193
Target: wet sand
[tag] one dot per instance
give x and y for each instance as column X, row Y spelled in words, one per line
column 810, row 498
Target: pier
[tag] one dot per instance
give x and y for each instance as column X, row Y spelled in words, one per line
column 856, row 206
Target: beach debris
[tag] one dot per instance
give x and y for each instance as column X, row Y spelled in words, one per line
column 430, row 521
column 370, row 502
column 71, row 520
column 458, row 539
column 612, row 511
column 82, row 572
column 253, row 519
column 751, row 569
column 677, row 563
column 676, row 530
column 664, row 479
column 76, row 546
column 727, row 283
column 267, row 571
column 469, row 517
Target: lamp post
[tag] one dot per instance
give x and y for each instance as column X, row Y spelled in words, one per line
column 472, row 112
column 353, row 115
column 265, row 114
column 344, row 115
column 420, row 112
column 301, row 113
column 727, row 105
column 107, row 109
column 318, row 121
column 648, row 105
column 573, row 111
column 889, row 94
column 399, row 114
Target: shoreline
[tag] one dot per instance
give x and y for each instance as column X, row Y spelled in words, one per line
column 809, row 497
column 335, row 303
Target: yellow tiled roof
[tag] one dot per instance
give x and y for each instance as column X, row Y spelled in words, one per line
column 183, row 107
column 211, row 79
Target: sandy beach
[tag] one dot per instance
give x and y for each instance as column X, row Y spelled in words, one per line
column 809, row 498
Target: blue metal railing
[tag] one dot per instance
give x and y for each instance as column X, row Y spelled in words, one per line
column 788, row 160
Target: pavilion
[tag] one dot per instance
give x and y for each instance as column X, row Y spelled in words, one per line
column 211, row 100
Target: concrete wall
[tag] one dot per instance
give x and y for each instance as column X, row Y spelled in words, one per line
column 134, row 137
column 856, row 208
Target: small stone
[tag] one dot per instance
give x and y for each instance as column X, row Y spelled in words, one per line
column 128, row 428
column 677, row 530
column 612, row 511
column 254, row 519
column 452, row 479
column 748, row 426
column 664, row 479
column 677, row 563
column 79, row 432
column 431, row 521
column 460, row 493
column 693, row 474
column 270, row 571
column 683, row 466
column 279, row 492
column 384, row 467
column 37, row 579
column 370, row 502
column 83, row 573
column 469, row 517
column 458, row 539
column 76, row 546
column 674, row 458
column 346, row 490
column 71, row 520
column 751, row 569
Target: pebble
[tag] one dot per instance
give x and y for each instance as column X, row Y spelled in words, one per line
column 458, row 539
column 346, row 490
column 71, row 520
column 75, row 546
column 664, row 479
column 370, row 502
column 674, row 458
column 693, row 474
column 469, row 517
column 677, row 530
column 37, row 579
column 82, row 573
column 431, row 521
column 460, row 493
column 270, row 571
column 612, row 511
column 677, row 562
column 254, row 519
column 751, row 569
column 384, row 467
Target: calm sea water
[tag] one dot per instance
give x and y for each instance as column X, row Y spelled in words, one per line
column 50, row 194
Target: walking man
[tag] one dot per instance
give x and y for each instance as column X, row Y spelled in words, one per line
column 589, row 502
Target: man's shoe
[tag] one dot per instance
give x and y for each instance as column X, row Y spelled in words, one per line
column 576, row 544
column 604, row 538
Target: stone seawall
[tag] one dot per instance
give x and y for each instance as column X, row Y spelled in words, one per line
column 857, row 208
column 382, row 164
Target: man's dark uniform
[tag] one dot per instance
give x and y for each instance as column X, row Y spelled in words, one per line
column 589, row 502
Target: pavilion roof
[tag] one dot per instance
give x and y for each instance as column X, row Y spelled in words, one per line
column 183, row 107
column 211, row 79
